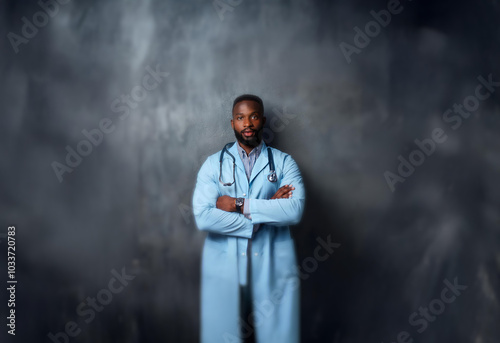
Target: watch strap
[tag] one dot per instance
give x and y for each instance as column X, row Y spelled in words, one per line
column 239, row 204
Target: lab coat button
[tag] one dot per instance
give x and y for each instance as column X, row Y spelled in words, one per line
column 256, row 254
column 242, row 254
column 244, row 194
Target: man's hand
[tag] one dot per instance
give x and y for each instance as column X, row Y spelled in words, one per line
column 284, row 192
column 226, row 203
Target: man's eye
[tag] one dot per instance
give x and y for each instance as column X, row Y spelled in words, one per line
column 239, row 118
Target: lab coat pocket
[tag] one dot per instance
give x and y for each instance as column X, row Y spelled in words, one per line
column 282, row 237
column 216, row 242
column 283, row 247
column 285, row 263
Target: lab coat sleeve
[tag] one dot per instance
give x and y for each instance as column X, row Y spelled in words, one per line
column 282, row 212
column 207, row 216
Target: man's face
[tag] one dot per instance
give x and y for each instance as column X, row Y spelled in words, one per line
column 248, row 122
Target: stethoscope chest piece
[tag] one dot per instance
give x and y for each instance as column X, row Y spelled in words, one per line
column 272, row 176
column 272, row 173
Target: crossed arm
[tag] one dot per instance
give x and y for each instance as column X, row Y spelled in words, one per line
column 228, row 204
column 218, row 214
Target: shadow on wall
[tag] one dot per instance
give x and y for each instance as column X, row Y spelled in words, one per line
column 390, row 282
column 325, row 278
column 326, row 257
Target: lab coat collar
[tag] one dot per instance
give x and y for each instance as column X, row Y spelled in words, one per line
column 261, row 162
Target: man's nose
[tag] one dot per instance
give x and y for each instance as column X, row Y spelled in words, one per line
column 247, row 122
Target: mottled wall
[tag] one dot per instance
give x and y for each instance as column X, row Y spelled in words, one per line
column 346, row 118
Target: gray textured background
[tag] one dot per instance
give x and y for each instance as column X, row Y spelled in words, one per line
column 127, row 205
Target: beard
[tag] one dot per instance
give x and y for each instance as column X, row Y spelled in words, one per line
column 249, row 141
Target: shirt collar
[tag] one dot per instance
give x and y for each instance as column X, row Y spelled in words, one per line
column 255, row 150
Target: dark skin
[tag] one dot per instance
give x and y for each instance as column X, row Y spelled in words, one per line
column 248, row 122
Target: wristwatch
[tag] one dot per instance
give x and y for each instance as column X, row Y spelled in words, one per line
column 239, row 204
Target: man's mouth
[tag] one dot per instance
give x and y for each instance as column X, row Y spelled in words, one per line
column 248, row 133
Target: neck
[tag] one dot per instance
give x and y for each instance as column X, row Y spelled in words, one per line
column 247, row 148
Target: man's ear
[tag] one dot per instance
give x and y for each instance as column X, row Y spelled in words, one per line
column 264, row 121
column 232, row 124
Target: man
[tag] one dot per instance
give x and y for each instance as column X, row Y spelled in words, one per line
column 249, row 256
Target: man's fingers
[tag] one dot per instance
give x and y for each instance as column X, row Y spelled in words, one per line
column 287, row 193
column 283, row 192
column 279, row 193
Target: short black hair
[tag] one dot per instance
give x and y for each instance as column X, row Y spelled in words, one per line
column 250, row 97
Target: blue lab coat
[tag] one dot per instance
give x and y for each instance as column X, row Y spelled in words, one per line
column 274, row 273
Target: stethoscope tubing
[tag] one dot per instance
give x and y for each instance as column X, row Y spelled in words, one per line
column 271, row 177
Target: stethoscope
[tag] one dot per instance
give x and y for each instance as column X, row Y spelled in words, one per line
column 271, row 176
